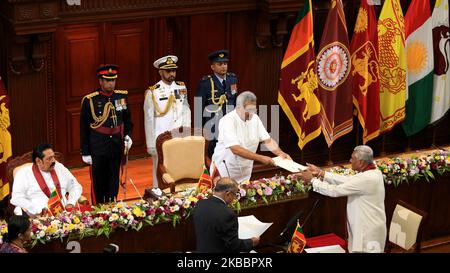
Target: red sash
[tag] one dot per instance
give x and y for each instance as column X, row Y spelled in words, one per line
column 41, row 181
column 369, row 167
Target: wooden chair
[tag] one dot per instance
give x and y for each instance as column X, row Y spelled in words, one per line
column 182, row 153
column 406, row 228
column 13, row 166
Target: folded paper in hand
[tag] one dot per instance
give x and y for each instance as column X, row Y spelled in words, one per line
column 250, row 226
column 289, row 165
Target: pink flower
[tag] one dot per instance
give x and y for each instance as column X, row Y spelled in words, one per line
column 242, row 192
column 268, row 191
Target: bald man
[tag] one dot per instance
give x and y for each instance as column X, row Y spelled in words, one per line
column 216, row 225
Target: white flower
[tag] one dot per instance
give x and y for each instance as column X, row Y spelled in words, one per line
column 174, row 208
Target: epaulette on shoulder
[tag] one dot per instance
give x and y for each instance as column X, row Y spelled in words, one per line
column 121, row 92
column 89, row 96
column 181, row 83
column 231, row 74
column 207, row 77
column 151, row 88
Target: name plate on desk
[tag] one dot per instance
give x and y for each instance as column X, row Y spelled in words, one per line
column 325, row 249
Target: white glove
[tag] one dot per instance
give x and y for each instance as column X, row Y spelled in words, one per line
column 151, row 151
column 87, row 159
column 128, row 142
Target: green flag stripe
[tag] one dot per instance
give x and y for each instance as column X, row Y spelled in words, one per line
column 418, row 105
column 302, row 13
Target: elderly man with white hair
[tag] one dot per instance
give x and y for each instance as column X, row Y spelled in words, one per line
column 240, row 133
column 366, row 217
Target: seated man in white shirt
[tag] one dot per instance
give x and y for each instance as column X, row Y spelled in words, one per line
column 366, row 217
column 240, row 133
column 34, row 183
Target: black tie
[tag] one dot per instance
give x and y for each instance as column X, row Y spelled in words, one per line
column 224, row 86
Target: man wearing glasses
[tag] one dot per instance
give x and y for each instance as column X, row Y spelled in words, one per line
column 240, row 133
column 216, row 225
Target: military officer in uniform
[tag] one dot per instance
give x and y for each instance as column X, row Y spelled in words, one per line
column 105, row 130
column 166, row 107
column 218, row 92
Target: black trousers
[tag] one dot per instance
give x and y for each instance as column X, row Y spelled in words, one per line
column 105, row 178
column 211, row 147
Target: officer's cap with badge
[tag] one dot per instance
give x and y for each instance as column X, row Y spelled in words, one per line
column 168, row 62
column 108, row 71
column 219, row 56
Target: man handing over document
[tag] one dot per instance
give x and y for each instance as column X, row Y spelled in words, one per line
column 240, row 133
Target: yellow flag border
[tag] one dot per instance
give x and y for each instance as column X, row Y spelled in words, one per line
column 298, row 130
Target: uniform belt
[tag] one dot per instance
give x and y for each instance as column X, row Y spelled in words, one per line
column 109, row 131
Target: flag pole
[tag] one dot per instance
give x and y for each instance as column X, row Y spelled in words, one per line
column 330, row 151
column 383, row 141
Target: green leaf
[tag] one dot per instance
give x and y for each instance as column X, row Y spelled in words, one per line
column 139, row 226
column 430, row 174
column 107, row 232
column 99, row 232
column 265, row 200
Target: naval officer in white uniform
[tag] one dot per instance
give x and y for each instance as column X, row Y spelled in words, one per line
column 166, row 106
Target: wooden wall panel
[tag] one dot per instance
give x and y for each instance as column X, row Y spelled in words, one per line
column 28, row 111
column 81, row 53
column 73, row 132
column 137, row 117
column 127, row 45
column 208, row 33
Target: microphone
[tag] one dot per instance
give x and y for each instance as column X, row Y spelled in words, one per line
column 310, row 212
column 291, row 222
column 226, row 167
column 111, row 248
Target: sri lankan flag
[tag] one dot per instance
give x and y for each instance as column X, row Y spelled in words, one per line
column 333, row 70
column 205, row 181
column 392, row 61
column 5, row 140
column 54, row 204
column 365, row 72
column 298, row 241
column 297, row 93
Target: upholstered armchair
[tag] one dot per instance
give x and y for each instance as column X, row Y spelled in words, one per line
column 405, row 231
column 182, row 153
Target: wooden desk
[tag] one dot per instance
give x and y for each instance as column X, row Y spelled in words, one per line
column 328, row 217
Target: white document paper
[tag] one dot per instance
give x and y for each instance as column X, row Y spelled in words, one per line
column 325, row 249
column 250, row 226
column 289, row 165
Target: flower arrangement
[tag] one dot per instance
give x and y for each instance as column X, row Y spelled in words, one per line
column 398, row 170
column 269, row 189
column 3, row 230
column 106, row 218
